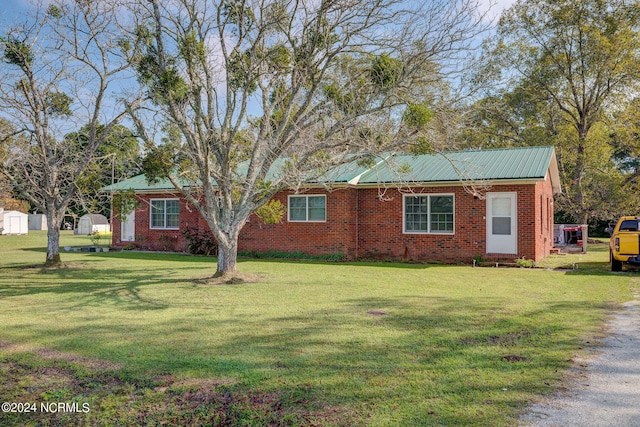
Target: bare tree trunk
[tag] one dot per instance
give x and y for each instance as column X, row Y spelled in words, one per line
column 53, row 246
column 227, row 256
column 581, row 211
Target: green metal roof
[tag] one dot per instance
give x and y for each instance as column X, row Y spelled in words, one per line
column 495, row 164
column 139, row 183
column 339, row 174
column 525, row 163
column 344, row 173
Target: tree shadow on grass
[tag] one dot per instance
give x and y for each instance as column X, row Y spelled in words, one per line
column 143, row 255
column 90, row 286
column 424, row 365
column 157, row 256
column 428, row 361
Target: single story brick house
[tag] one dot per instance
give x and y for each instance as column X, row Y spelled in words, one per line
column 493, row 204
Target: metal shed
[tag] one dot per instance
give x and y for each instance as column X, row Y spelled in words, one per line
column 89, row 223
column 37, row 222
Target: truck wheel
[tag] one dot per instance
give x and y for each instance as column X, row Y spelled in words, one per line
column 615, row 264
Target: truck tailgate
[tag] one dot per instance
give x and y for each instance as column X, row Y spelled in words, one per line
column 629, row 243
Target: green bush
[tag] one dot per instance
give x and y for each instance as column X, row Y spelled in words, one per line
column 526, row 263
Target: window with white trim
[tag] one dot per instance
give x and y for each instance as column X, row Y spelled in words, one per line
column 428, row 213
column 165, row 213
column 308, row 208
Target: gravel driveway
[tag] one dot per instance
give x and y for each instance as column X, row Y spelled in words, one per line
column 607, row 393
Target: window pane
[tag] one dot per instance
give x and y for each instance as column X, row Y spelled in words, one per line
column 317, row 210
column 297, row 208
column 501, row 206
column 501, row 226
column 629, row 225
column 442, row 213
column 173, row 213
column 416, row 204
column 157, row 213
column 442, row 204
column 416, row 209
column 442, row 222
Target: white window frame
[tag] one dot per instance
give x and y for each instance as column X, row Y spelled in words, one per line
column 306, row 197
column 151, row 226
column 428, row 231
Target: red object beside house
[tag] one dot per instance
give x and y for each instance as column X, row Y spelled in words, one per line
column 433, row 213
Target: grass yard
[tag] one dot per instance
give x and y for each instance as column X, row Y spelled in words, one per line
column 124, row 338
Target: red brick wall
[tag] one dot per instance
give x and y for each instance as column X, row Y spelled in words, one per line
column 381, row 228
column 381, row 222
column 159, row 239
column 368, row 223
column 545, row 216
column 336, row 235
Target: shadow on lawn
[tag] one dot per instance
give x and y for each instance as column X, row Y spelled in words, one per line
column 428, row 361
column 89, row 286
column 143, row 255
column 337, row 366
column 459, row 353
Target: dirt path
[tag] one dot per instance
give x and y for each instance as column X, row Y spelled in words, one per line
column 608, row 393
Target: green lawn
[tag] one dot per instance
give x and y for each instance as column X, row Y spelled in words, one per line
column 134, row 337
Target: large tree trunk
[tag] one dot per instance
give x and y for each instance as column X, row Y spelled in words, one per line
column 53, row 240
column 53, row 246
column 227, row 256
column 581, row 211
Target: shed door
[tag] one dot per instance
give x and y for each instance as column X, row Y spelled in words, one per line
column 502, row 223
column 14, row 225
column 128, row 228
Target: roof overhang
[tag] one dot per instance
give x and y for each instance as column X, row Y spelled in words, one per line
column 457, row 183
column 544, row 166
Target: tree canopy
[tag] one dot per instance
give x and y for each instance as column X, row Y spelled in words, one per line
column 117, row 158
column 562, row 69
column 262, row 96
column 58, row 65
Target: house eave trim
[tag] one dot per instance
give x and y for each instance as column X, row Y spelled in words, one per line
column 457, row 183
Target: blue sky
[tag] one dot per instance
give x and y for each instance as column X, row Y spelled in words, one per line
column 13, row 7
column 10, row 8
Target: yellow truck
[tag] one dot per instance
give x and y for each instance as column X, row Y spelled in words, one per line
column 624, row 246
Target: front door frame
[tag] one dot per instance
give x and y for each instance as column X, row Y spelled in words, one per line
column 125, row 234
column 505, row 239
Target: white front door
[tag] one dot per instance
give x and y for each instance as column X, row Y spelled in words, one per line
column 502, row 223
column 128, row 228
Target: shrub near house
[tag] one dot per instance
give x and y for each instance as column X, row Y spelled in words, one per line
column 497, row 204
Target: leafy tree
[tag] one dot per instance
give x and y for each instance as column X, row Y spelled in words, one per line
column 7, row 200
column 564, row 64
column 117, row 158
column 57, row 69
column 292, row 88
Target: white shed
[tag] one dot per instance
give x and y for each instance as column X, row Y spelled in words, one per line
column 14, row 222
column 89, row 223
